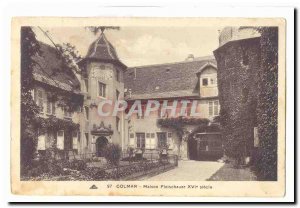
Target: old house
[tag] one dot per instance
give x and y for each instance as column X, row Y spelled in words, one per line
column 58, row 96
column 194, row 79
column 71, row 100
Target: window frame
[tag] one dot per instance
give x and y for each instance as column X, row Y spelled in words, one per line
column 140, row 144
column 207, row 81
column 118, row 75
column 40, row 100
column 102, row 90
column 67, row 114
column 52, row 108
column 213, row 108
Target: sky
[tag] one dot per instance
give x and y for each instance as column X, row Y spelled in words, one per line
column 138, row 46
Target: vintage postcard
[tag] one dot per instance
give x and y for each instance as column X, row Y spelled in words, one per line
column 148, row 106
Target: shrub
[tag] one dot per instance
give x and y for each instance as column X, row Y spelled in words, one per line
column 112, row 154
column 78, row 165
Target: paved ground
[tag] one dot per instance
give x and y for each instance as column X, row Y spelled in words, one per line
column 189, row 170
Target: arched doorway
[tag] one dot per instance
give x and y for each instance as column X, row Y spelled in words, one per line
column 101, row 144
column 192, row 148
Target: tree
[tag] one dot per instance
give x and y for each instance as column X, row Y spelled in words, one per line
column 29, row 48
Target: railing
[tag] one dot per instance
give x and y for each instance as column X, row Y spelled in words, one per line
column 143, row 167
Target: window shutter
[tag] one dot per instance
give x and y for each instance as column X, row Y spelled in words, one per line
column 60, row 140
column 210, row 108
column 132, row 142
column 148, row 143
column 153, row 143
column 170, row 142
column 41, row 142
column 75, row 141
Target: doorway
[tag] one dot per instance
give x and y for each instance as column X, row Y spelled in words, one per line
column 101, row 144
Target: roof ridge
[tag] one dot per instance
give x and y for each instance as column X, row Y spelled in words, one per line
column 171, row 63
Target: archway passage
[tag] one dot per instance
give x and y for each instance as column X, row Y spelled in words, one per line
column 101, row 144
column 192, row 149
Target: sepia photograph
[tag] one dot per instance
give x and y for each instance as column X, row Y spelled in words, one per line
column 149, row 103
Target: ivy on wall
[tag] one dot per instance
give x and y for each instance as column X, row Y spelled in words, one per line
column 237, row 83
column 55, row 124
column 29, row 48
column 267, row 110
column 248, row 93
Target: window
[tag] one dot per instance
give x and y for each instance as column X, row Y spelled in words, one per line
column 162, row 139
column 50, row 108
column 60, row 140
column 148, row 135
column 41, row 145
column 118, row 124
column 204, row 82
column 86, row 112
column 169, row 134
column 67, row 113
column 152, row 135
column 213, row 108
column 117, row 94
column 131, row 135
column 213, row 81
column 86, row 82
column 118, row 75
column 140, row 140
column 75, row 139
column 102, row 89
column 40, row 100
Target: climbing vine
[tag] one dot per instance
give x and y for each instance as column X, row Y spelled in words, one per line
column 55, row 124
column 29, row 48
column 267, row 104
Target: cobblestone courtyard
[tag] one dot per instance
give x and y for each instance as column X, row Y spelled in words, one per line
column 189, row 170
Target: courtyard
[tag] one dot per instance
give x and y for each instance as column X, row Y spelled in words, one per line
column 189, row 170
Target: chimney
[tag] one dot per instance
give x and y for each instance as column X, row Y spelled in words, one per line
column 190, row 57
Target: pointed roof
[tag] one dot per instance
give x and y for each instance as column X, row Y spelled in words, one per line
column 102, row 50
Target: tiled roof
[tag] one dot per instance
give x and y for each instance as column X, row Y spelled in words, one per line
column 165, row 80
column 49, row 70
column 101, row 49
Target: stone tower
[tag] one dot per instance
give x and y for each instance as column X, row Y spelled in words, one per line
column 238, row 60
column 102, row 79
